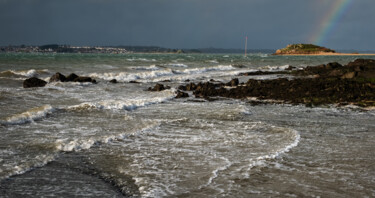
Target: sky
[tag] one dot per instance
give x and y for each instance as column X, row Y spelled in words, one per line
column 268, row 24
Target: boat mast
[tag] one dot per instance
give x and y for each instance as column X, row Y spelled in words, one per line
column 245, row 46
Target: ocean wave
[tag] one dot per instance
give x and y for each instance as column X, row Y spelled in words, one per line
column 30, row 115
column 68, row 145
column 129, row 104
column 23, row 73
column 151, row 67
column 126, row 76
column 262, row 160
column 274, row 68
column 141, row 60
column 18, row 168
column 177, row 65
column 206, row 69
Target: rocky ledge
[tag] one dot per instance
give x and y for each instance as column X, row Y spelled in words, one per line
column 58, row 77
column 332, row 83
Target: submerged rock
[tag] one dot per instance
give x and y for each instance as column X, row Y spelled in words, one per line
column 113, row 81
column 71, row 77
column 159, row 87
column 57, row 77
column 181, row 94
column 34, row 82
column 233, row 82
column 84, row 79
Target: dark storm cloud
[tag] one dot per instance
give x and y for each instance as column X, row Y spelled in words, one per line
column 180, row 23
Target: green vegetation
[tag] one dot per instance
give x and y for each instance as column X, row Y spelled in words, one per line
column 303, row 49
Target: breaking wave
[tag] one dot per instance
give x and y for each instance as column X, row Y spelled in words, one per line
column 129, row 104
column 147, row 75
column 30, row 115
column 274, row 68
column 23, row 73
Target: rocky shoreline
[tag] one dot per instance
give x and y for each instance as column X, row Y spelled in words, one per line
column 332, row 83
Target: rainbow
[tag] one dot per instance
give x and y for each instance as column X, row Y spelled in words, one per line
column 330, row 21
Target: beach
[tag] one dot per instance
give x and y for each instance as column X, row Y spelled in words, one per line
column 124, row 139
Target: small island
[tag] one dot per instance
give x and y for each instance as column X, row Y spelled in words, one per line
column 303, row 49
column 312, row 50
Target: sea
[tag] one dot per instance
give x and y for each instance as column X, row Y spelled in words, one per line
column 71, row 139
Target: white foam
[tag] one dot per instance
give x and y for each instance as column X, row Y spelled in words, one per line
column 213, row 61
column 149, row 75
column 69, row 145
column 274, row 68
column 128, row 104
column 24, row 73
column 261, row 160
column 215, row 172
column 141, row 60
column 177, row 65
column 29, row 116
column 126, row 76
column 23, row 167
column 148, row 68
column 206, row 69
column 104, row 66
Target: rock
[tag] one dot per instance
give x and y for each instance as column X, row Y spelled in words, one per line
column 255, row 73
column 333, row 65
column 71, row 77
column 84, row 79
column 349, row 75
column 181, row 94
column 334, row 83
column 158, row 87
column 34, row 82
column 233, row 83
column 133, row 81
column 113, row 81
column 57, row 77
column 290, row 68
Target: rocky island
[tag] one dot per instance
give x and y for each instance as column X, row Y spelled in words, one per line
column 313, row 50
column 303, row 49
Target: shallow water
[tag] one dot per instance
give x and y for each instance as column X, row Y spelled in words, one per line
column 114, row 140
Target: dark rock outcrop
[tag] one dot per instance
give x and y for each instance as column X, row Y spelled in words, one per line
column 233, row 82
column 84, row 79
column 331, row 83
column 34, row 82
column 57, row 77
column 113, row 81
column 256, row 73
column 71, row 77
column 158, row 87
column 360, row 68
column 181, row 94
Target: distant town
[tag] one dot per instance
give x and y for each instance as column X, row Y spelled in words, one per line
column 55, row 48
